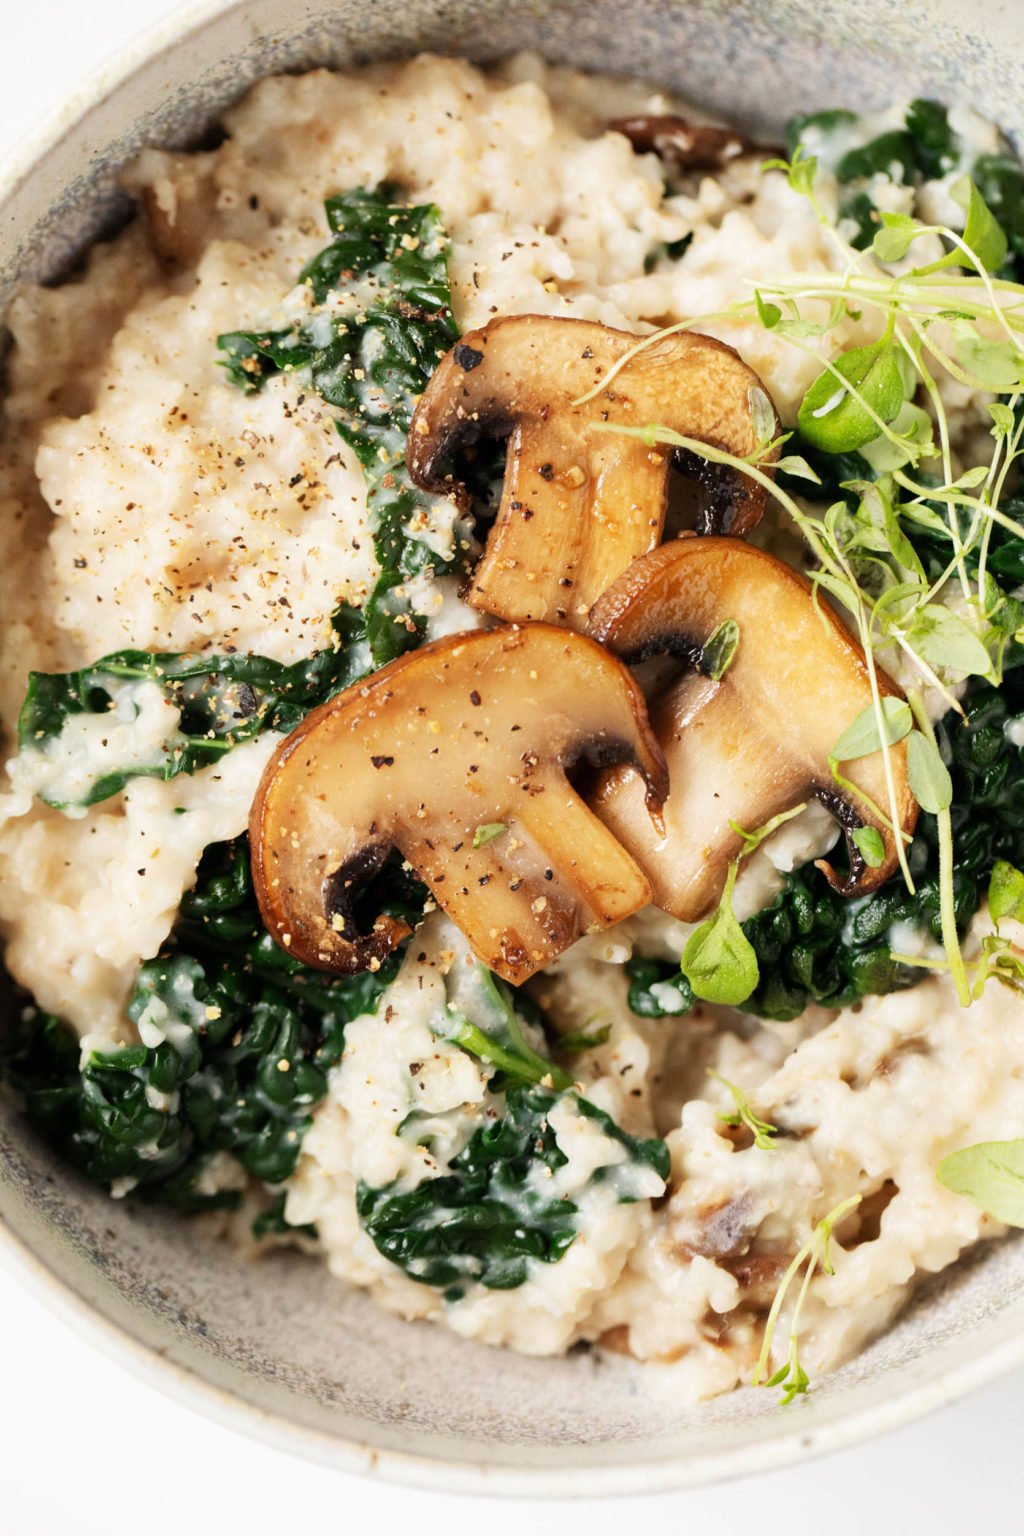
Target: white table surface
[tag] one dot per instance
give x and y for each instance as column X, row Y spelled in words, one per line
column 86, row 1448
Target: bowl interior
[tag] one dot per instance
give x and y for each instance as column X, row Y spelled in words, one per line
column 280, row 1346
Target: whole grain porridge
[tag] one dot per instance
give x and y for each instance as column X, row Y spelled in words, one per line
column 511, row 664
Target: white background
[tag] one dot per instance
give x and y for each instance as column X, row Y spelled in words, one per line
column 85, row 1448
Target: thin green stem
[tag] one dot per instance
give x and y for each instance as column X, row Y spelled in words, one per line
column 947, row 893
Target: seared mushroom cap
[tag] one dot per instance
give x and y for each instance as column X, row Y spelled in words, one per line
column 756, row 742
column 456, row 755
column 579, row 505
column 690, row 146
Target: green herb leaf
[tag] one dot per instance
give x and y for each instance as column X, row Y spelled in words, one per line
column 816, row 1252
column 753, row 840
column 930, row 783
column 791, row 1377
column 832, row 419
column 1002, row 419
column 797, row 466
column 487, row 832
column 869, row 844
column 812, row 947
column 798, row 325
column 863, row 737
column 769, row 314
column 995, row 364
column 719, row 961
column 982, row 233
column 719, row 649
column 1006, row 892
column 946, row 641
column 992, row 1175
column 801, row 172
column 762, row 415
column 913, row 426
column 896, row 236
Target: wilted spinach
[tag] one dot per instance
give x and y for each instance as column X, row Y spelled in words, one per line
column 248, row 1035
column 370, row 359
column 223, row 700
column 485, row 1219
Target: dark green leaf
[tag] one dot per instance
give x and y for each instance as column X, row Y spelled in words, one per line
column 489, row 1216
column 223, row 700
column 937, row 149
column 824, row 124
column 890, row 154
column 231, row 1009
column 657, row 989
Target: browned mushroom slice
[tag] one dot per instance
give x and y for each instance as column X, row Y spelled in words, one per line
column 756, row 742
column 690, row 146
column 457, row 755
column 578, row 504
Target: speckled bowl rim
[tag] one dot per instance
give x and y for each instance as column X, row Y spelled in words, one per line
column 466, row 1476
column 461, row 1475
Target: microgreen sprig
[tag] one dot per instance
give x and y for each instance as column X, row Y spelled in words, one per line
column 719, row 960
column 762, row 1131
column 948, row 316
column 816, row 1252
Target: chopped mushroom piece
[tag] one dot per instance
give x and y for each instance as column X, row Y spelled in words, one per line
column 757, row 741
column 457, row 755
column 690, row 146
column 578, row 504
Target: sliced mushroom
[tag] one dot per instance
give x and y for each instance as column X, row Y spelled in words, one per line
column 756, row 742
column 578, row 504
column 457, row 756
column 690, row 146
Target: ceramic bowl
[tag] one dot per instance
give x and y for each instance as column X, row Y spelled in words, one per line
column 279, row 1348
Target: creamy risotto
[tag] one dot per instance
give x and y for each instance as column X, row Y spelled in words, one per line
column 602, row 1055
